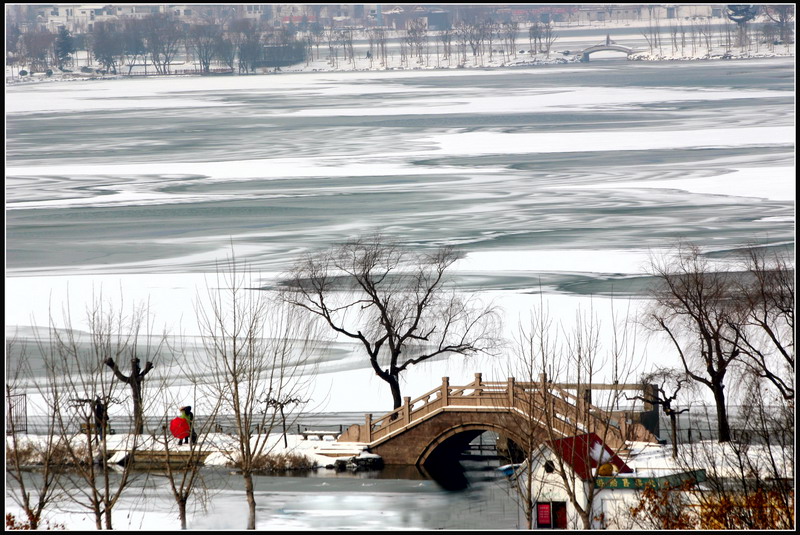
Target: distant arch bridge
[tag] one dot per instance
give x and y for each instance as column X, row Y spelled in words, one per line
column 607, row 45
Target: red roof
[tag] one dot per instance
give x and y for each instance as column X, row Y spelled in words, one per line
column 584, row 452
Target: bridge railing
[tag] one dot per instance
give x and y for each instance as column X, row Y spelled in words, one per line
column 560, row 409
column 574, row 409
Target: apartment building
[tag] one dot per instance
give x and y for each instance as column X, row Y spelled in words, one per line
column 79, row 18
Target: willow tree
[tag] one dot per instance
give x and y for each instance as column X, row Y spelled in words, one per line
column 692, row 305
column 396, row 303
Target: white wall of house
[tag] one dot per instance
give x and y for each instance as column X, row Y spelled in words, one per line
column 610, row 507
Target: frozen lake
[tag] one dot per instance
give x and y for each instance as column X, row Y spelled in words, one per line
column 321, row 501
column 562, row 177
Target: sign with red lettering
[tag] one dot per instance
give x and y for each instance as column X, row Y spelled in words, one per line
column 543, row 516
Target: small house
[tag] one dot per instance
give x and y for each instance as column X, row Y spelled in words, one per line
column 593, row 472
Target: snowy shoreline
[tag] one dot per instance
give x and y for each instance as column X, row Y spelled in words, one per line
column 323, row 66
column 563, row 52
column 218, row 450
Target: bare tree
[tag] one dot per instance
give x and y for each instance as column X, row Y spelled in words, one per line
column 749, row 480
column 257, row 350
column 34, row 495
column 652, row 33
column 707, row 34
column 763, row 324
column 345, row 39
column 332, row 36
column 491, row 30
column 380, row 40
column 316, row 33
column 225, row 52
column 107, row 47
column 403, row 42
column 74, row 377
column 204, row 40
column 509, row 31
column 417, row 36
column 561, row 367
column 536, row 344
column 371, row 38
column 692, row 307
column 661, row 387
column 549, row 37
column 535, row 37
column 36, row 47
column 446, row 38
column 393, row 301
column 133, row 43
column 471, row 34
column 245, row 38
column 782, row 15
column 182, row 467
column 133, row 350
column 163, row 37
column 673, row 34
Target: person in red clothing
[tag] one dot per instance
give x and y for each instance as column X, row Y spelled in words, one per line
column 186, row 414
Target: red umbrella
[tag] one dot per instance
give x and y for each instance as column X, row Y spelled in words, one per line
column 179, row 427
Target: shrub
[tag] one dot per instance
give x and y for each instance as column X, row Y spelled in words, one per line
column 49, row 73
column 13, row 523
column 282, row 461
column 23, row 72
column 32, row 454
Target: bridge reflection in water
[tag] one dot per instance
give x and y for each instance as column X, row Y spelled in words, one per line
column 433, row 431
column 455, row 469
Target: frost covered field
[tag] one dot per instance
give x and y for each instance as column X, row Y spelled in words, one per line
column 561, row 178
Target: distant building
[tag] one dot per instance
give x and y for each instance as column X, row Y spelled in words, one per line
column 400, row 16
column 79, row 18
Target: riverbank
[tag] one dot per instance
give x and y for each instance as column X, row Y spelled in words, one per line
column 212, row 449
column 567, row 48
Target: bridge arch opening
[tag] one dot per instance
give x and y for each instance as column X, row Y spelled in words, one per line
column 441, row 459
column 606, row 54
column 454, row 440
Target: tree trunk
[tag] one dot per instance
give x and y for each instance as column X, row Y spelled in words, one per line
column 251, row 500
column 138, row 421
column 182, row 512
column 673, row 422
column 394, row 385
column 723, row 428
column 528, row 500
column 586, row 518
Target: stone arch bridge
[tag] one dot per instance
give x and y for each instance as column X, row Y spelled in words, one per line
column 608, row 45
column 441, row 423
